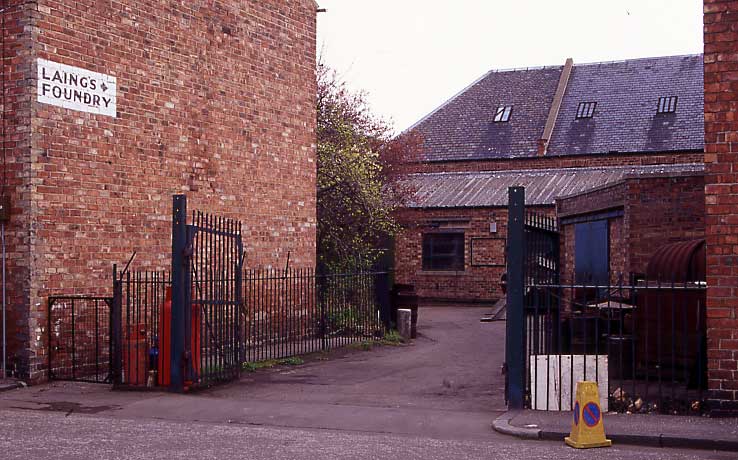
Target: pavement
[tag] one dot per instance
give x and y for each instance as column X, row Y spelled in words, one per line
column 635, row 429
column 435, row 398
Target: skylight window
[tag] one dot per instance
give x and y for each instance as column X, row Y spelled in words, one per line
column 586, row 109
column 667, row 104
column 503, row 113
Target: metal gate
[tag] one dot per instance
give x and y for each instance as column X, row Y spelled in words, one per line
column 213, row 299
column 532, row 260
column 183, row 328
column 79, row 339
column 641, row 339
column 178, row 329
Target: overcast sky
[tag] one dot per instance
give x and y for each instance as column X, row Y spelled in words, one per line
column 412, row 55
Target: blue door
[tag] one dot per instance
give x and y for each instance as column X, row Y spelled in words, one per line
column 592, row 255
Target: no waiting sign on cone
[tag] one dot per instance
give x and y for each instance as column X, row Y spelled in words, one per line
column 587, row 429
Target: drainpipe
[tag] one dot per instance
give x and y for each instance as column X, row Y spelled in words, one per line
column 4, row 198
column 5, row 354
column 2, row 228
column 553, row 113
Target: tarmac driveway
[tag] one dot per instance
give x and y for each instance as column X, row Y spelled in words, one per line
column 453, row 365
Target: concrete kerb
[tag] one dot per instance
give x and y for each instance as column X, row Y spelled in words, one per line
column 502, row 425
column 7, row 386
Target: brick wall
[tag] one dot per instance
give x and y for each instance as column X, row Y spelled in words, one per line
column 15, row 110
column 483, row 267
column 561, row 161
column 721, row 190
column 596, row 200
column 215, row 100
column 660, row 211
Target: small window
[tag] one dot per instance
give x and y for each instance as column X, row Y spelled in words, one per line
column 586, row 109
column 503, row 113
column 667, row 104
column 443, row 251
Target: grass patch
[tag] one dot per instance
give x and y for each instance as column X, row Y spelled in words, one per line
column 270, row 363
column 293, row 361
column 364, row 345
column 391, row 338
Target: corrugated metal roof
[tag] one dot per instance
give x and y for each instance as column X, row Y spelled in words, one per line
column 542, row 186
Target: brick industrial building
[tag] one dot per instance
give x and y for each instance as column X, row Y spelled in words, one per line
column 110, row 107
column 627, row 221
column 558, row 131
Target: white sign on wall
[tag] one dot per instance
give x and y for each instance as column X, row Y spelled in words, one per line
column 76, row 88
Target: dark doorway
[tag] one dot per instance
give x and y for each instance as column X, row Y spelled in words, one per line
column 592, row 255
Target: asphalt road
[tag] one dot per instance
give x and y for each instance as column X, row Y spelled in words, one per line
column 33, row 435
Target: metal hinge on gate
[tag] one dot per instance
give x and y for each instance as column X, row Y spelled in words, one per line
column 189, row 249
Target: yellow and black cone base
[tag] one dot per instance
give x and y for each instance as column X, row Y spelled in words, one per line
column 587, row 429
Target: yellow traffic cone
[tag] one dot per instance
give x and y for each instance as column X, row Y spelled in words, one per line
column 587, row 429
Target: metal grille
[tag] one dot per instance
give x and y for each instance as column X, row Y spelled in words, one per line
column 213, row 329
column 145, row 313
column 293, row 312
column 79, row 338
column 644, row 344
column 541, row 249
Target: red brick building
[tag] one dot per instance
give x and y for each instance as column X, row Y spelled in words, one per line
column 110, row 108
column 558, row 131
column 721, row 163
column 631, row 217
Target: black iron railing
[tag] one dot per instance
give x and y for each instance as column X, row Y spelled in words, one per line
column 285, row 313
column 643, row 343
column 145, row 333
column 79, row 338
column 214, row 298
column 200, row 322
column 297, row 311
column 541, row 236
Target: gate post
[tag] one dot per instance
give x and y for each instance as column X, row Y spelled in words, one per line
column 116, row 333
column 320, row 299
column 179, row 286
column 241, row 309
column 515, row 325
column 382, row 287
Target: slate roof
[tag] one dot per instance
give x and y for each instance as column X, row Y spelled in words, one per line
column 625, row 118
column 463, row 128
column 542, row 186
